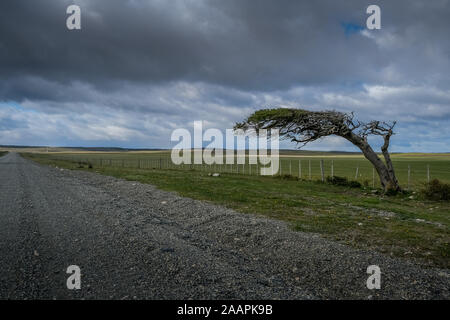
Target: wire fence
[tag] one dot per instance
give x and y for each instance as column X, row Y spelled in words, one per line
column 410, row 176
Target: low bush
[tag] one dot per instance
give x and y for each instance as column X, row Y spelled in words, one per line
column 342, row 181
column 436, row 190
column 288, row 177
column 354, row 184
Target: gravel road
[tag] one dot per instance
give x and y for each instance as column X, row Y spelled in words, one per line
column 133, row 241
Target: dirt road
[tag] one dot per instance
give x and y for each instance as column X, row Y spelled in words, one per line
column 133, row 241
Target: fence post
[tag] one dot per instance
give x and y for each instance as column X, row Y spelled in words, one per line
column 332, row 168
column 290, row 167
column 409, row 176
column 299, row 169
column 321, row 170
column 357, row 171
column 309, row 165
column 428, row 173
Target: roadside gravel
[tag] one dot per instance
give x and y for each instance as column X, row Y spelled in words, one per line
column 133, row 241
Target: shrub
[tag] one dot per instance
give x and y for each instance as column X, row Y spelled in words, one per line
column 288, row 177
column 354, row 184
column 391, row 191
column 342, row 181
column 436, row 190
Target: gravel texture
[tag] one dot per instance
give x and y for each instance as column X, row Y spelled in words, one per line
column 133, row 241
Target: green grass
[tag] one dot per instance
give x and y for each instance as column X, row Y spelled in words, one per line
column 344, row 165
column 356, row 217
column 2, row 153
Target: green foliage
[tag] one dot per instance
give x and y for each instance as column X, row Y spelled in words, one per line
column 88, row 164
column 342, row 181
column 277, row 114
column 288, row 177
column 272, row 118
column 436, row 190
column 354, row 184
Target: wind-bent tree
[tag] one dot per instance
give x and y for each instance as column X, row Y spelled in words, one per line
column 303, row 126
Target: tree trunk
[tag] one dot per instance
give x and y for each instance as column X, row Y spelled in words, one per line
column 387, row 158
column 385, row 171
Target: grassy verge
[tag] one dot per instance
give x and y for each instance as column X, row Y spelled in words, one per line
column 397, row 226
column 2, row 153
column 353, row 167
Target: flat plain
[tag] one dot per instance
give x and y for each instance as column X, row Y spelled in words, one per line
column 133, row 240
column 405, row 226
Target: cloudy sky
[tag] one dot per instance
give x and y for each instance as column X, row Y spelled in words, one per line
column 138, row 69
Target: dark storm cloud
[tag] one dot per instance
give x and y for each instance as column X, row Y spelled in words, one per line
column 261, row 45
column 138, row 69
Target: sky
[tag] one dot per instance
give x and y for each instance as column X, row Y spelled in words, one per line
column 139, row 69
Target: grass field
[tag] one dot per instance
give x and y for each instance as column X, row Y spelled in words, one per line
column 2, row 153
column 398, row 226
column 353, row 166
